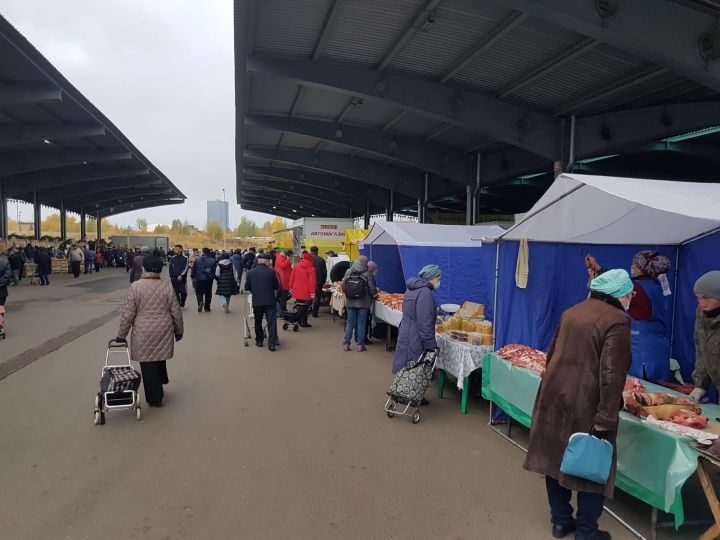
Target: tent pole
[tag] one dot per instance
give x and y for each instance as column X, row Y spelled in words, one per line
column 571, row 157
column 476, row 195
column 675, row 298
column 468, row 205
column 495, row 300
column 367, row 215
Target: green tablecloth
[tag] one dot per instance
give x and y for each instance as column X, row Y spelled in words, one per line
column 653, row 464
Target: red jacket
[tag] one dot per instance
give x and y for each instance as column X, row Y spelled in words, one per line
column 282, row 267
column 302, row 279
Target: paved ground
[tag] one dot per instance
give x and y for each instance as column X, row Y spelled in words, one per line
column 249, row 444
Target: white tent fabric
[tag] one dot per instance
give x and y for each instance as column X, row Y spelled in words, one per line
column 416, row 234
column 585, row 209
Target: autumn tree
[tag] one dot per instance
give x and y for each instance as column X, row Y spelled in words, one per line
column 162, row 229
column 266, row 229
column 141, row 224
column 214, row 230
column 247, row 228
column 278, row 224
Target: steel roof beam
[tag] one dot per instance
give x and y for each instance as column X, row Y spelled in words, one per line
column 13, row 134
column 327, row 27
column 499, row 32
column 640, row 27
column 25, row 94
column 91, row 207
column 120, row 209
column 275, row 185
column 101, row 186
column 282, row 211
column 114, row 196
column 365, row 170
column 326, row 182
column 439, row 159
column 278, row 201
column 510, row 123
column 299, row 196
column 244, row 22
column 36, row 160
column 25, row 183
column 554, row 64
column 409, row 32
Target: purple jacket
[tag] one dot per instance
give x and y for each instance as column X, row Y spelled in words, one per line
column 417, row 331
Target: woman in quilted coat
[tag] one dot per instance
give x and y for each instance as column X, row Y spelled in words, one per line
column 152, row 311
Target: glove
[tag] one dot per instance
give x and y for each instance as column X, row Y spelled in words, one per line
column 123, row 340
column 696, row 395
column 178, row 337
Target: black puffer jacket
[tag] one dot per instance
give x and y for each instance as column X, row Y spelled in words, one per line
column 227, row 279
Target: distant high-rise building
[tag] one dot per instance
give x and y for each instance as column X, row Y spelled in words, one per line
column 219, row 212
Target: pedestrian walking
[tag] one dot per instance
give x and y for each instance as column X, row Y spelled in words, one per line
column 284, row 271
column 262, row 282
column 152, row 312
column 90, row 260
column 248, row 263
column 321, row 278
column 76, row 256
column 203, row 274
column 43, row 260
column 178, row 270
column 136, row 271
column 16, row 264
column 302, row 287
column 5, row 276
column 587, row 364
column 360, row 290
column 228, row 281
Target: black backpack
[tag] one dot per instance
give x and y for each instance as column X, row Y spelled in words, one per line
column 355, row 286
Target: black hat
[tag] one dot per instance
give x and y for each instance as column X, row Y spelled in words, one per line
column 151, row 263
column 264, row 256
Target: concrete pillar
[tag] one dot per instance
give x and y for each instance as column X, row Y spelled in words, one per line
column 83, row 224
column 63, row 221
column 468, row 205
column 3, row 211
column 367, row 215
column 98, row 223
column 37, row 218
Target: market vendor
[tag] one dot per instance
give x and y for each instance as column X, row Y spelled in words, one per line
column 650, row 314
column 707, row 334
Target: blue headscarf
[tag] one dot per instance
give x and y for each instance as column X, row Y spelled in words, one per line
column 429, row 271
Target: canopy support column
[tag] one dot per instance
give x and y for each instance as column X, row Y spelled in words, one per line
column 83, row 224
column 391, row 206
column 422, row 201
column 98, row 223
column 367, row 215
column 36, row 216
column 468, row 205
column 63, row 221
column 476, row 195
column 3, row 211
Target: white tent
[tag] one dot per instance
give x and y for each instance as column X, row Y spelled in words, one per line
column 587, row 209
column 415, row 234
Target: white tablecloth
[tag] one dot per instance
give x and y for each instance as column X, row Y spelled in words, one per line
column 458, row 358
column 391, row 316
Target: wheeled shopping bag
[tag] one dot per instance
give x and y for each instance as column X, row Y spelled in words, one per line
column 409, row 386
column 119, row 384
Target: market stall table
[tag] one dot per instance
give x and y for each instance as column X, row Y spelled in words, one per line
column 459, row 360
column 653, row 464
column 392, row 317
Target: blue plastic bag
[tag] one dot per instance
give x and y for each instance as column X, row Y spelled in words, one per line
column 588, row 457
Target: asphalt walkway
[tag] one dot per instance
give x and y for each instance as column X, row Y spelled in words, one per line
column 249, row 444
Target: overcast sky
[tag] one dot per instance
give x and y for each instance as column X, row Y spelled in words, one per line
column 162, row 72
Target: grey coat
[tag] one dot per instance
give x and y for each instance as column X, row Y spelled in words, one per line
column 362, row 303
column 417, row 330
column 707, row 350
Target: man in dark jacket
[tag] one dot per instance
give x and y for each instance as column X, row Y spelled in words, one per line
column 178, row 270
column 136, row 270
column 203, row 274
column 262, row 282
column 247, row 262
column 5, row 277
column 237, row 261
column 16, row 264
column 43, row 260
column 321, row 275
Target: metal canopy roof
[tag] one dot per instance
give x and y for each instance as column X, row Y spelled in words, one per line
column 59, row 150
column 352, row 99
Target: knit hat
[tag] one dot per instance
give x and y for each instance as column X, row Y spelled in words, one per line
column 429, row 271
column 152, row 264
column 709, row 285
column 616, row 283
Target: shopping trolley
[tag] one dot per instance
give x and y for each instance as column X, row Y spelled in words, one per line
column 119, row 383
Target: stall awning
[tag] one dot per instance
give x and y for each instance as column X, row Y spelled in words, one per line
column 416, row 234
column 586, row 209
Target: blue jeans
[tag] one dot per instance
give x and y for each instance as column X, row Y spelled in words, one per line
column 356, row 322
column 589, row 508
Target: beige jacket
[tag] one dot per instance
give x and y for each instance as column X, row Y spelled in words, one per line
column 152, row 310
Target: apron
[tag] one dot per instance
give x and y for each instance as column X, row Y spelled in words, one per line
column 651, row 338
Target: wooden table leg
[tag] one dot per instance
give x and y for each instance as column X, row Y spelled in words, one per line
column 714, row 531
column 441, row 383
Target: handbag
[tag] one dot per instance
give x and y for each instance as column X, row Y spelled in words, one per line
column 588, row 457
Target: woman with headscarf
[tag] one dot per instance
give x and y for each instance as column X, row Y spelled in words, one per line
column 581, row 391
column 153, row 313
column 650, row 314
column 417, row 331
column 707, row 334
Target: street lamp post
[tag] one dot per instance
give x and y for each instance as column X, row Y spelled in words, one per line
column 224, row 225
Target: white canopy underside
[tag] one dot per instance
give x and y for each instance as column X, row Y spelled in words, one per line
column 416, row 234
column 585, row 209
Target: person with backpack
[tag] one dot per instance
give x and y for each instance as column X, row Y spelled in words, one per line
column 203, row 273
column 228, row 281
column 360, row 290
